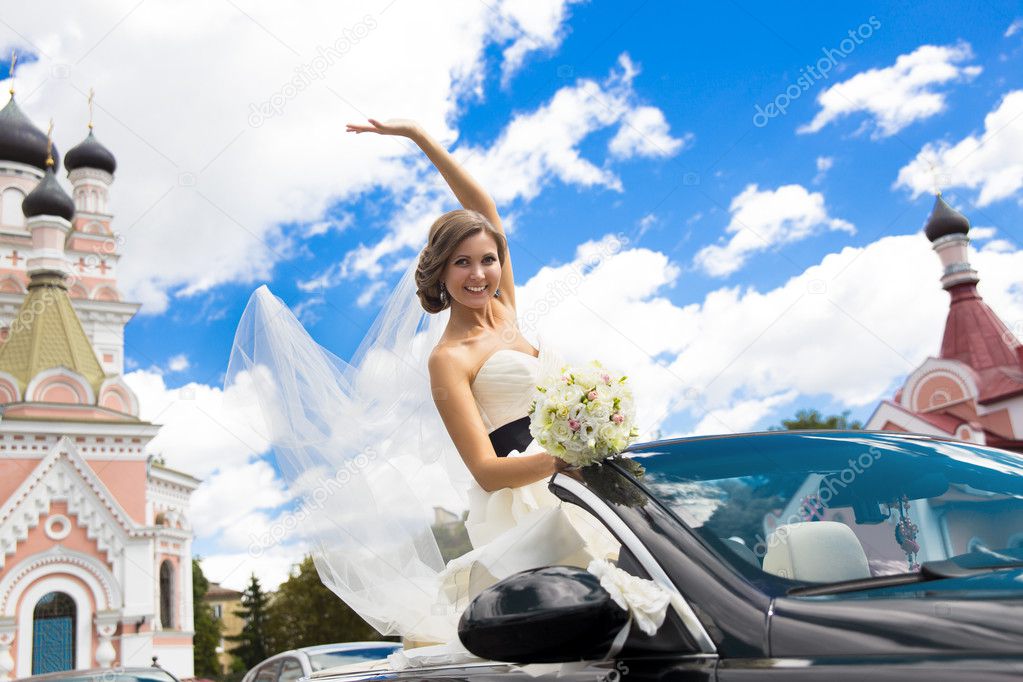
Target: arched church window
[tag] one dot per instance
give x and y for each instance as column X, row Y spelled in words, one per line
column 10, row 207
column 53, row 633
column 167, row 595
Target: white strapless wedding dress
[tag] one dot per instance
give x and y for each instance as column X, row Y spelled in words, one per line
column 515, row 529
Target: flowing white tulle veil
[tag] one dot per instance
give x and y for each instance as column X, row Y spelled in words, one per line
column 361, row 447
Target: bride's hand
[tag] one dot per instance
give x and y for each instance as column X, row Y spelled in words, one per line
column 396, row 126
column 561, row 466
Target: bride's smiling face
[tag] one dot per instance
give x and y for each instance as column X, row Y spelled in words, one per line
column 473, row 264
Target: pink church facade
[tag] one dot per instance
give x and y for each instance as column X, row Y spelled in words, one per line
column 95, row 541
column 973, row 389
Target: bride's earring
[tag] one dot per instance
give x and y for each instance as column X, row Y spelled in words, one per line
column 497, row 293
column 443, row 293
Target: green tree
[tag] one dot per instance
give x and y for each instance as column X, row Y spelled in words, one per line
column 207, row 628
column 452, row 538
column 305, row 612
column 254, row 643
column 812, row 419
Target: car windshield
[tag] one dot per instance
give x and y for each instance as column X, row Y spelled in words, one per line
column 330, row 659
column 832, row 507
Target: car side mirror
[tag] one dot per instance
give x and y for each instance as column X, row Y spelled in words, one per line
column 554, row 614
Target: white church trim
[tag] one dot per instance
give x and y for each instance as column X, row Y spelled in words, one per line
column 10, row 386
column 886, row 412
column 105, row 589
column 60, row 376
column 953, row 370
column 118, row 385
column 62, row 475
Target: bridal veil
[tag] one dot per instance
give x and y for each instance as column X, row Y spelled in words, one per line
column 362, row 449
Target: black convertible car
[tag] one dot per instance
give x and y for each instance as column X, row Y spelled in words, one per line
column 787, row 555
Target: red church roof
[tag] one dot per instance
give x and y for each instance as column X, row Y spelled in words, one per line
column 976, row 336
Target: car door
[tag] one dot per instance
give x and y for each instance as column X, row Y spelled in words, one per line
column 681, row 648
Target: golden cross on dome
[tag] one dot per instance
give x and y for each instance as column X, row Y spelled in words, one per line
column 49, row 145
column 92, row 93
column 10, row 71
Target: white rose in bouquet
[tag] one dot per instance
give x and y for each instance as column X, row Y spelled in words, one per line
column 583, row 414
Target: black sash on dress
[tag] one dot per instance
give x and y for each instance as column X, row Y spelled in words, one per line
column 512, row 436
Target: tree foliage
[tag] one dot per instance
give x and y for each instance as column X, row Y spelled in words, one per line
column 207, row 628
column 452, row 538
column 304, row 612
column 812, row 419
column 254, row 641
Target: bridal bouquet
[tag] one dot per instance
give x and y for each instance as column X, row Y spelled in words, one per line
column 583, row 414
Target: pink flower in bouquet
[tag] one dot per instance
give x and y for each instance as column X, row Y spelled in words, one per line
column 592, row 395
column 606, row 378
column 617, row 418
column 573, row 424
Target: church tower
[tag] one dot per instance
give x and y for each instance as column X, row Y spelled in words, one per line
column 973, row 389
column 95, row 541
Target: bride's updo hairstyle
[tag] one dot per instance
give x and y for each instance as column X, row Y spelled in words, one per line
column 446, row 233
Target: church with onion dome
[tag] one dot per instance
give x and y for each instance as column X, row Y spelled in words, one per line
column 95, row 540
column 973, row 389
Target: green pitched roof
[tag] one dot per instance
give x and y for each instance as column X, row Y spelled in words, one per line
column 47, row 333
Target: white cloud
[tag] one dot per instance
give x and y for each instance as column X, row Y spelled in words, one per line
column 824, row 164
column 763, row 219
column 252, row 487
column 1000, row 246
column 370, row 293
column 232, row 570
column 645, row 223
column 531, row 26
column 644, row 132
column 741, row 416
column 321, row 227
column 991, row 162
column 198, row 436
column 214, row 154
column 1014, row 28
column 178, row 363
column 897, row 95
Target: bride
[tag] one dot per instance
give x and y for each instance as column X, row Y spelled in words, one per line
column 435, row 398
column 466, row 266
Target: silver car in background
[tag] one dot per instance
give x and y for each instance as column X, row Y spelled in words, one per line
column 290, row 666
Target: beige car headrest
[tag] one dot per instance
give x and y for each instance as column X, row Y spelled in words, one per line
column 816, row 551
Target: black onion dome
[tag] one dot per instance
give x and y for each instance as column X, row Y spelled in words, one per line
column 20, row 140
column 48, row 198
column 89, row 153
column 945, row 220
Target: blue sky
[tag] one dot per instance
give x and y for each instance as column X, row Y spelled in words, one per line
column 682, row 81
column 706, row 67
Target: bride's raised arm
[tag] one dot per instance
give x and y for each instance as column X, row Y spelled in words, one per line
column 467, row 190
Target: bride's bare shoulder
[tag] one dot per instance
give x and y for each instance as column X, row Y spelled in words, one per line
column 449, row 359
